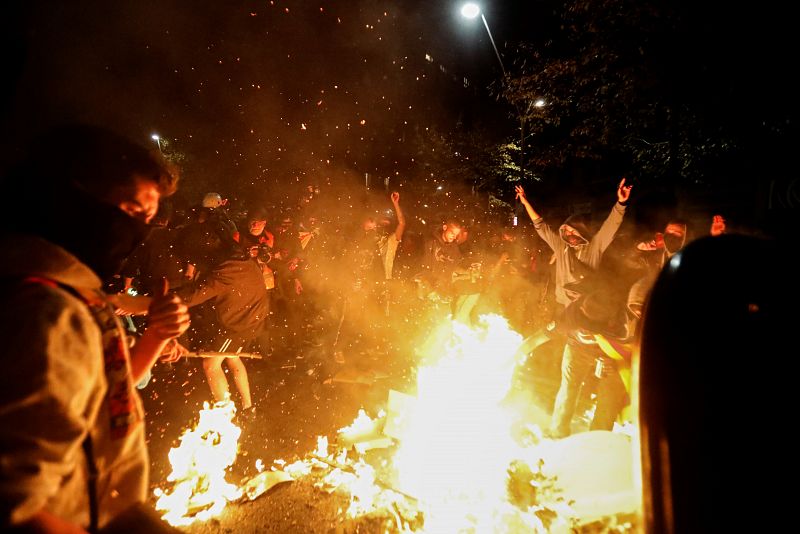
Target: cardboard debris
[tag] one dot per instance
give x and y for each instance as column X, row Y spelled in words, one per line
column 263, row 482
column 377, row 443
column 366, row 437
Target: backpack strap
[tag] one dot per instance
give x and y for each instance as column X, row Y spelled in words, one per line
column 87, row 441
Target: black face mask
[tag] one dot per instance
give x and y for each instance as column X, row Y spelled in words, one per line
column 673, row 243
column 120, row 236
column 99, row 234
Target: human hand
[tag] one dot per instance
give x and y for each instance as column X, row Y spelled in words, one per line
column 717, row 225
column 395, row 197
column 520, row 194
column 173, row 352
column 654, row 244
column 117, row 300
column 127, row 304
column 168, row 316
column 623, row 192
column 298, row 286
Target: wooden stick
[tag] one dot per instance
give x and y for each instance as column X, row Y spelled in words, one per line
column 210, row 354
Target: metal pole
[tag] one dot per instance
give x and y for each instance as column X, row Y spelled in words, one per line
column 521, row 147
column 493, row 45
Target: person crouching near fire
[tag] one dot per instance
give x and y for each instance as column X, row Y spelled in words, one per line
column 231, row 286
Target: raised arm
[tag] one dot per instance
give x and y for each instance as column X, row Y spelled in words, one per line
column 547, row 234
column 608, row 230
column 401, row 218
column 528, row 208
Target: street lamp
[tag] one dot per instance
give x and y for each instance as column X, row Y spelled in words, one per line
column 471, row 11
column 157, row 139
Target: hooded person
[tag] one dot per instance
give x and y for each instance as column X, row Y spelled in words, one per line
column 593, row 327
column 441, row 258
column 73, row 453
column 595, row 356
column 660, row 250
column 577, row 251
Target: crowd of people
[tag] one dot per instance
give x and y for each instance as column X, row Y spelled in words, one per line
column 95, row 242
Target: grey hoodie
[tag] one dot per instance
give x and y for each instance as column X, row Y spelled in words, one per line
column 573, row 262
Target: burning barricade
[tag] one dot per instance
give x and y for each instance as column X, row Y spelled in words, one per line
column 446, row 459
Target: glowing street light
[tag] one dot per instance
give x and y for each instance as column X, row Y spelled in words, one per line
column 157, row 139
column 470, row 11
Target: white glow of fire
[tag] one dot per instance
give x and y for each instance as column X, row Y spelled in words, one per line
column 456, row 450
column 362, row 424
column 199, row 465
column 454, row 455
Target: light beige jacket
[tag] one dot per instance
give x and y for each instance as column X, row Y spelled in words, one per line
column 54, row 391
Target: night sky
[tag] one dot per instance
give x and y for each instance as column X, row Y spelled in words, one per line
column 257, row 95
column 252, row 93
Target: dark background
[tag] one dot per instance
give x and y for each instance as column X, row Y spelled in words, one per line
column 258, row 99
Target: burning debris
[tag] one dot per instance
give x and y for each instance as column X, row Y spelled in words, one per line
column 446, row 459
column 199, row 465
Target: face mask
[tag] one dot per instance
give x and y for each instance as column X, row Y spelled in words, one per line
column 99, row 234
column 673, row 243
column 117, row 240
column 574, row 240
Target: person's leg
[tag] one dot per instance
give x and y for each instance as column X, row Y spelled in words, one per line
column 216, row 378
column 239, row 372
column 574, row 368
column 611, row 397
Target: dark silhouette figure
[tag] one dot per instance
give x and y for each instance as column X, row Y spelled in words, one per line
column 716, row 389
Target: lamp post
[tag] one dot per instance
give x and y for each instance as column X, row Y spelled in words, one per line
column 157, row 139
column 471, row 11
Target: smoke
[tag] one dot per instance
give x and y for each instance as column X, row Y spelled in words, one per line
column 252, row 95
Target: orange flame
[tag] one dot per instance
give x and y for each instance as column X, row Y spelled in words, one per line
column 199, row 465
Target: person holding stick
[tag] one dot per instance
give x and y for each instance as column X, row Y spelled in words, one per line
column 231, row 286
column 228, row 302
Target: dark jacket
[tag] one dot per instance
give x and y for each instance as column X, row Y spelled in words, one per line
column 237, row 287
